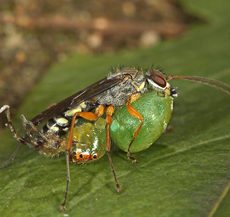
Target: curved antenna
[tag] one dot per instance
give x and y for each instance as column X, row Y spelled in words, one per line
column 206, row 81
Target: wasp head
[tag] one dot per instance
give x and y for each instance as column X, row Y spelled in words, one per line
column 158, row 82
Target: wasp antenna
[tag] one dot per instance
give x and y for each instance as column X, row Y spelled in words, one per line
column 197, row 78
column 206, row 81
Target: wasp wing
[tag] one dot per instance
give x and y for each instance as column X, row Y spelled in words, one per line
column 74, row 100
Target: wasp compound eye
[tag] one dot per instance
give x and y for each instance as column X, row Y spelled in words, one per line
column 157, row 81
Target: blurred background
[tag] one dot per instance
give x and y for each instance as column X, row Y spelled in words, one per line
column 51, row 49
column 35, row 34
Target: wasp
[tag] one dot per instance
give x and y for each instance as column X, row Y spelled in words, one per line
column 83, row 125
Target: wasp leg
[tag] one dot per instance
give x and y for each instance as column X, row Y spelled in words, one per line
column 21, row 140
column 88, row 116
column 36, row 142
column 109, row 120
column 28, row 125
column 136, row 114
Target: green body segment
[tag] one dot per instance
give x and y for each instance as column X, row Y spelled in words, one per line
column 90, row 137
column 156, row 111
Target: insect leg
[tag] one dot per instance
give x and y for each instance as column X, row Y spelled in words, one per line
column 109, row 120
column 136, row 114
column 21, row 140
column 30, row 124
column 88, row 116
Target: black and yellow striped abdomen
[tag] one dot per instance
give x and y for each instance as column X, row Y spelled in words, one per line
column 60, row 125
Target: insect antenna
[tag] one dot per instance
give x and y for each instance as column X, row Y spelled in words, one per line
column 206, row 81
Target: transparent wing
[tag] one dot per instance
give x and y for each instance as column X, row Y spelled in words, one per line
column 74, row 100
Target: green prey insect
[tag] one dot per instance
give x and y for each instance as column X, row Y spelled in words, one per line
column 128, row 105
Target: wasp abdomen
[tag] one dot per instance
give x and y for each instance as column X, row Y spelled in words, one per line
column 60, row 125
column 57, row 125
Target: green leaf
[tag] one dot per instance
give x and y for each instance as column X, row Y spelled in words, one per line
column 183, row 174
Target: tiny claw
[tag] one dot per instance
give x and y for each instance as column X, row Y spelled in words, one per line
column 118, row 188
column 133, row 159
column 63, row 208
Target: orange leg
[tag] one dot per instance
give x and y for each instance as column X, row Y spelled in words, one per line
column 88, row 116
column 136, row 114
column 109, row 120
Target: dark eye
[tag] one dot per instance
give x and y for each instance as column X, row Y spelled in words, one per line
column 159, row 80
column 81, row 156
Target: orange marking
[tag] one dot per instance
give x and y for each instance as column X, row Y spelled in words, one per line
column 110, row 110
column 78, row 156
column 86, row 156
column 134, row 97
column 87, row 115
column 82, row 157
column 94, row 158
column 100, row 110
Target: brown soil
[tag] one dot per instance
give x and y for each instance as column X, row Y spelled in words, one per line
column 34, row 34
